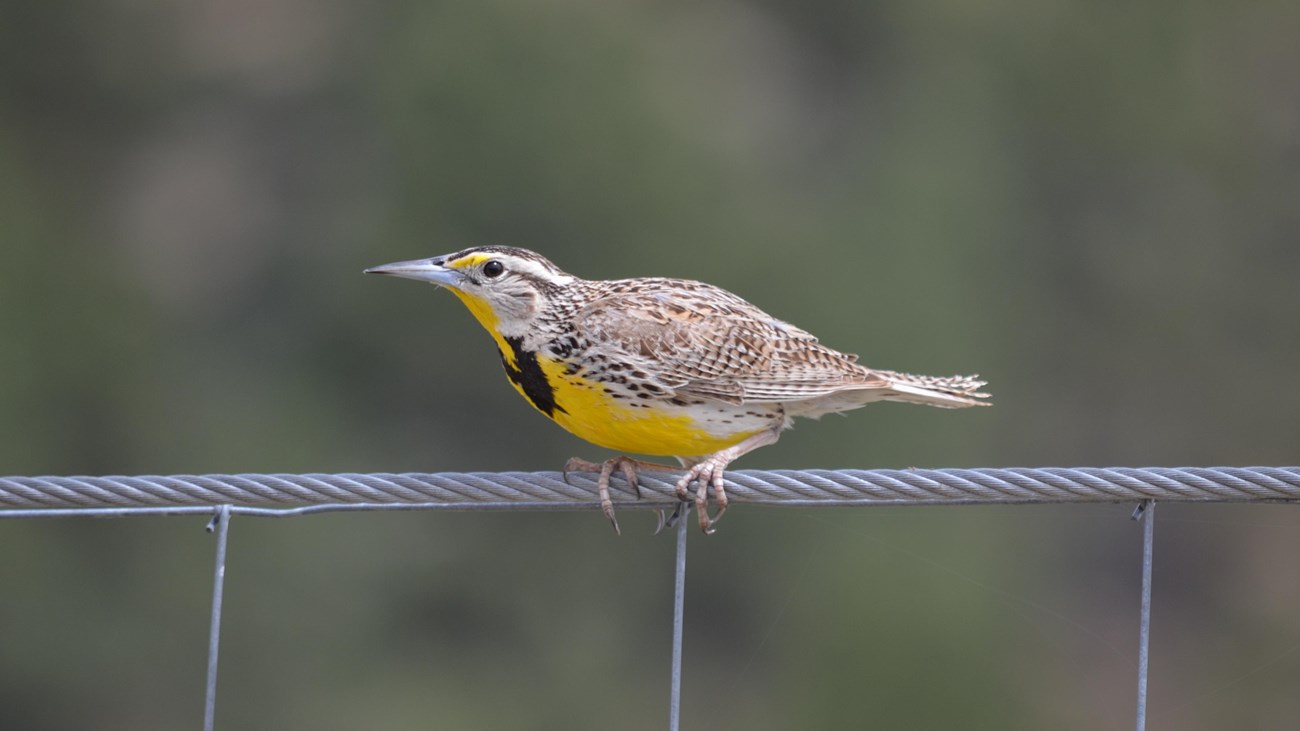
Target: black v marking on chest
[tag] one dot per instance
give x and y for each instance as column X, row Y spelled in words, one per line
column 526, row 373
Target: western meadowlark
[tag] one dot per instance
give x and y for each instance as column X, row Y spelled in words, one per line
column 666, row 367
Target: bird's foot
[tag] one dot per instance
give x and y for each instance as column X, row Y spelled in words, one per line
column 706, row 473
column 628, row 467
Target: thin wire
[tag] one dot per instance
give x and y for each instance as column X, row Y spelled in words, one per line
column 1144, row 632
column 221, row 523
column 679, row 611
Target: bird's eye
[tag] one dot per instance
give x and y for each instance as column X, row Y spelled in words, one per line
column 493, row 269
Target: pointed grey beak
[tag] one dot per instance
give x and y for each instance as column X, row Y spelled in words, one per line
column 421, row 270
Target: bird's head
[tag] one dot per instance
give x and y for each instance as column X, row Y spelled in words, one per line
column 504, row 287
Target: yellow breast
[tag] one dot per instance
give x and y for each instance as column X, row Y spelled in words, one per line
column 652, row 427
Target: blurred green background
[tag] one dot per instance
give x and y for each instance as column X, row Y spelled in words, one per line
column 1095, row 205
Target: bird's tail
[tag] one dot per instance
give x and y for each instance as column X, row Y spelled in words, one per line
column 946, row 392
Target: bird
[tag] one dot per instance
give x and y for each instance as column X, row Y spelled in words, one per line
column 661, row 367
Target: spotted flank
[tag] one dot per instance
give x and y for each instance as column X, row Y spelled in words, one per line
column 665, row 367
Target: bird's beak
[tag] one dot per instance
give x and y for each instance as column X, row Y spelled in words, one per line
column 422, row 270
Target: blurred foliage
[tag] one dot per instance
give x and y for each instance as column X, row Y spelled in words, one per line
column 1094, row 205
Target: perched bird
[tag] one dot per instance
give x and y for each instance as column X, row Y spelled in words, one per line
column 667, row 367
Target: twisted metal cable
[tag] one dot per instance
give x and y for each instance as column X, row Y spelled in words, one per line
column 290, row 494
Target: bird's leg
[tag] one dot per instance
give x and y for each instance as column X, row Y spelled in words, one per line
column 709, row 472
column 627, row 466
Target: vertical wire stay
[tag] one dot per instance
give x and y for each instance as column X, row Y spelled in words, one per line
column 1146, row 512
column 221, row 524
column 679, row 607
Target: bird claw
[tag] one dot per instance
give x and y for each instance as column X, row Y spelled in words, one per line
column 707, row 474
column 576, row 464
column 608, row 510
column 605, row 470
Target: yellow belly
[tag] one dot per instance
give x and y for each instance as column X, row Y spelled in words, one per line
column 640, row 426
column 584, row 408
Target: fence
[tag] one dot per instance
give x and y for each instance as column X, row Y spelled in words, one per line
column 281, row 495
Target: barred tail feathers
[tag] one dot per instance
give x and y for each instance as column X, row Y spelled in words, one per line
column 945, row 392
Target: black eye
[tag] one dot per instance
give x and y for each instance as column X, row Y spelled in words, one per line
column 493, row 269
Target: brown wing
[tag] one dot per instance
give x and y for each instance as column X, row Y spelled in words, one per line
column 697, row 340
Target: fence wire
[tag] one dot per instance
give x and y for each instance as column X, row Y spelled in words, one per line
column 282, row 495
column 294, row 494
